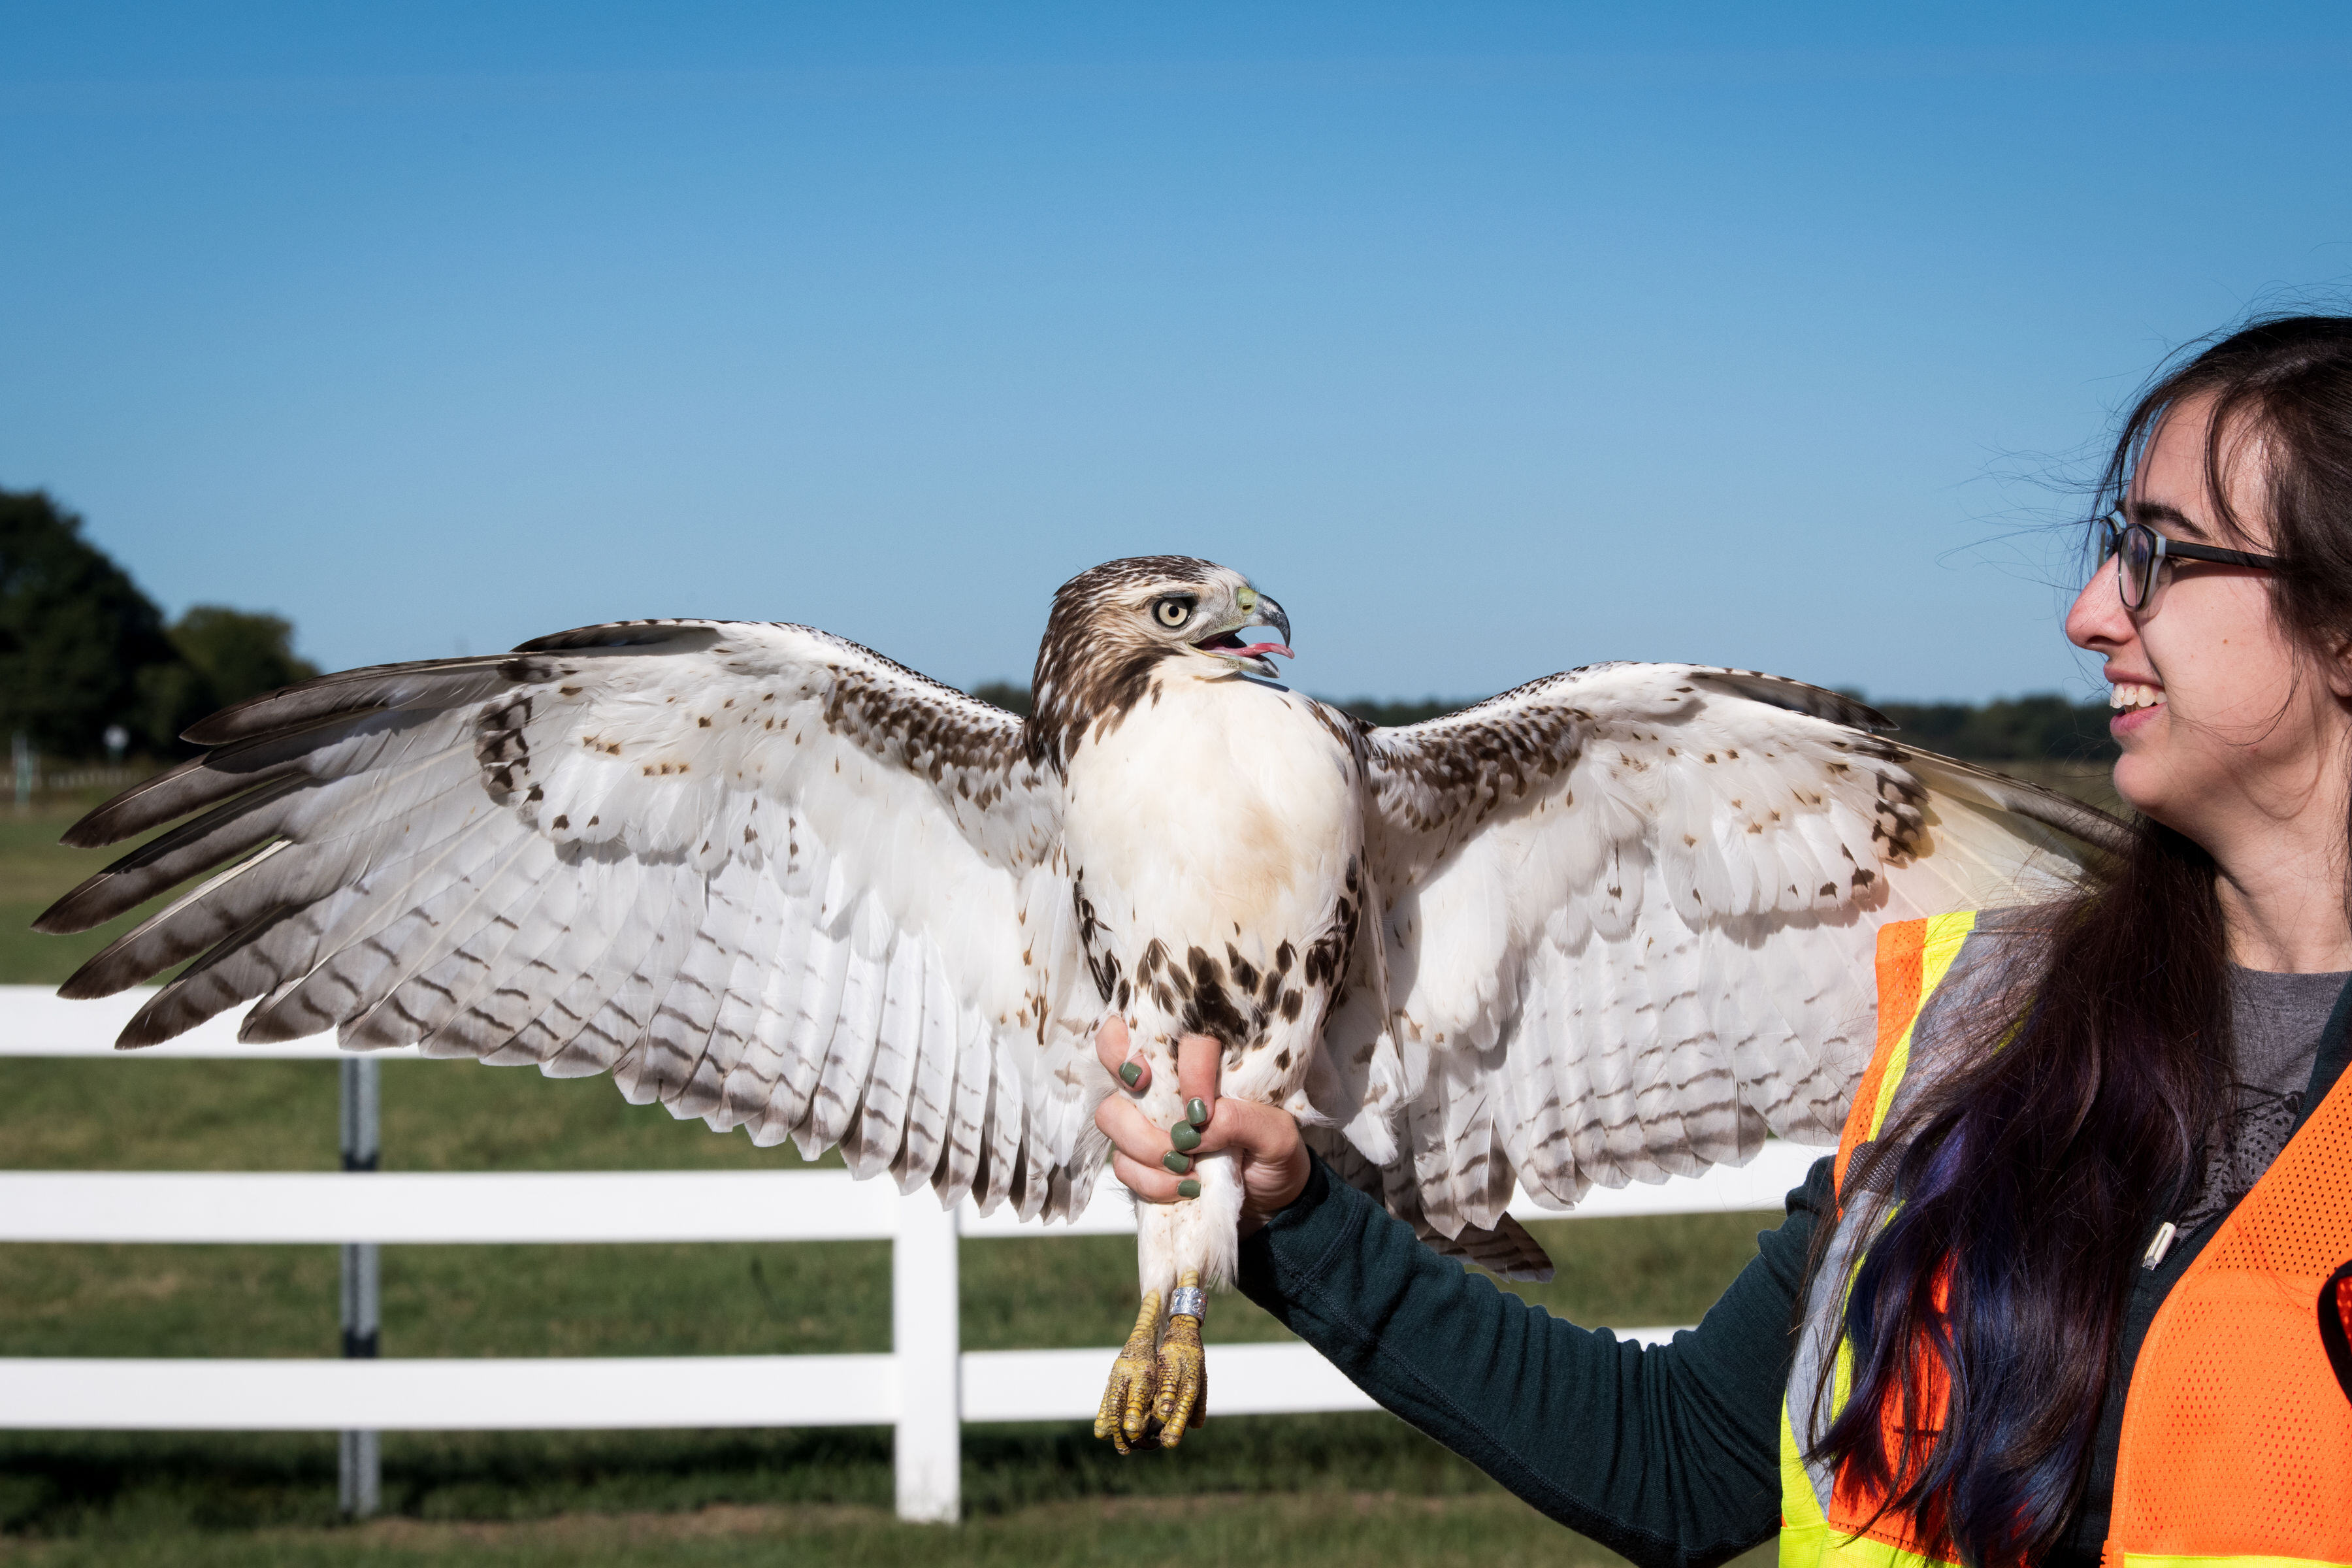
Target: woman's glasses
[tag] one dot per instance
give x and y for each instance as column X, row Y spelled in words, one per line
column 2140, row 553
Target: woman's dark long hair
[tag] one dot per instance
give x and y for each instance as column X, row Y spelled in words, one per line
column 2096, row 1078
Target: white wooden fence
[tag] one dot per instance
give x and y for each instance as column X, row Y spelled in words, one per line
column 926, row 1387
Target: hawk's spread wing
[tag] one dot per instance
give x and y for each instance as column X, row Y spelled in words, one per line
column 1631, row 917
column 760, row 873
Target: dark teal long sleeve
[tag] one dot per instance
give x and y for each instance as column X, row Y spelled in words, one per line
column 1669, row 1456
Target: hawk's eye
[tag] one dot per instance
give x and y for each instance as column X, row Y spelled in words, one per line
column 1173, row 612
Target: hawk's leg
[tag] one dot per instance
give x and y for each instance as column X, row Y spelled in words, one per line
column 1183, row 1399
column 1133, row 1377
column 1158, row 1387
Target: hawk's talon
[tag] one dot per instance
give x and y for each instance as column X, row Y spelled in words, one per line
column 1133, row 1377
column 1182, row 1400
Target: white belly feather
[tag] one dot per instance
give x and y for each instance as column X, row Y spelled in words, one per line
column 1216, row 841
column 1223, row 820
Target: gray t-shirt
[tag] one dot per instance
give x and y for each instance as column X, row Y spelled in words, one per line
column 2276, row 1020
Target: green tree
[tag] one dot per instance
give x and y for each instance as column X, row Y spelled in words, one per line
column 239, row 653
column 224, row 656
column 82, row 648
column 2009, row 729
column 1005, row 695
column 76, row 634
column 1392, row 712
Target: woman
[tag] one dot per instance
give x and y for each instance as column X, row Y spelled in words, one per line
column 2085, row 1124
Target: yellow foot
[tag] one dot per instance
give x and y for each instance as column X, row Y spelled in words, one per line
column 1183, row 1396
column 1132, row 1379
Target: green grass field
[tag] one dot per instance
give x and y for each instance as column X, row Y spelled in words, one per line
column 34, row 869
column 1290, row 1489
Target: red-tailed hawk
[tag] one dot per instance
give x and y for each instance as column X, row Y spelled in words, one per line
column 1614, row 925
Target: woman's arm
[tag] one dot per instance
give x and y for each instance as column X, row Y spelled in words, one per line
column 1670, row 1456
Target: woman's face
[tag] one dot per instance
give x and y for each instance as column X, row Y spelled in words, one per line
column 2223, row 722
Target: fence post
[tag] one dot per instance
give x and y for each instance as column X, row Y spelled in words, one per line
column 360, row 1455
column 20, row 753
column 926, row 1345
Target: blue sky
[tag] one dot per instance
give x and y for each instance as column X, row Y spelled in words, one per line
column 1491, row 338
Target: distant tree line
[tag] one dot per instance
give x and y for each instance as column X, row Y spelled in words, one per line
column 2045, row 727
column 82, row 650
column 1005, row 695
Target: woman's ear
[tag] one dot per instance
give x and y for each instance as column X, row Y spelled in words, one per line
column 2338, row 668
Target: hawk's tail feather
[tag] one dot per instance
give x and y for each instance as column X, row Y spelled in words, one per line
column 1506, row 1249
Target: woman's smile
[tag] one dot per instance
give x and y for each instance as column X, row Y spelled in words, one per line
column 2139, row 702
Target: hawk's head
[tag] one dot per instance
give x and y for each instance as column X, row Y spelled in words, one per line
column 1113, row 625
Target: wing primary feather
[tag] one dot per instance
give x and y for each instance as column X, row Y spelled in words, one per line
column 183, row 928
column 165, row 862
column 198, row 782
column 2034, row 802
column 356, row 693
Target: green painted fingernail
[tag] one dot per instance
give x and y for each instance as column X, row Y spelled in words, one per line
column 1180, row 1164
column 1196, row 1112
column 1184, row 1135
column 1188, row 1188
column 1130, row 1073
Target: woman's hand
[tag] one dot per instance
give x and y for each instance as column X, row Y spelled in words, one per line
column 1263, row 1141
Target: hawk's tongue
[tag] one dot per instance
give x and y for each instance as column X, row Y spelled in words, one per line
column 1258, row 649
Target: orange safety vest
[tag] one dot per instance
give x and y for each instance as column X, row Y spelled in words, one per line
column 2237, row 1436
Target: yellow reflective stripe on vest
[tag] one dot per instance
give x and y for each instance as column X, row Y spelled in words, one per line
column 1937, row 949
column 1807, row 1538
column 1804, row 1546
column 1800, row 1509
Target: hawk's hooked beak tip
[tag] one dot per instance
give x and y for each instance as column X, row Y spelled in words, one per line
column 1270, row 613
column 1258, row 657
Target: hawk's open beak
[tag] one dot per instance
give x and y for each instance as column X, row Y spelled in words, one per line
column 1255, row 658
